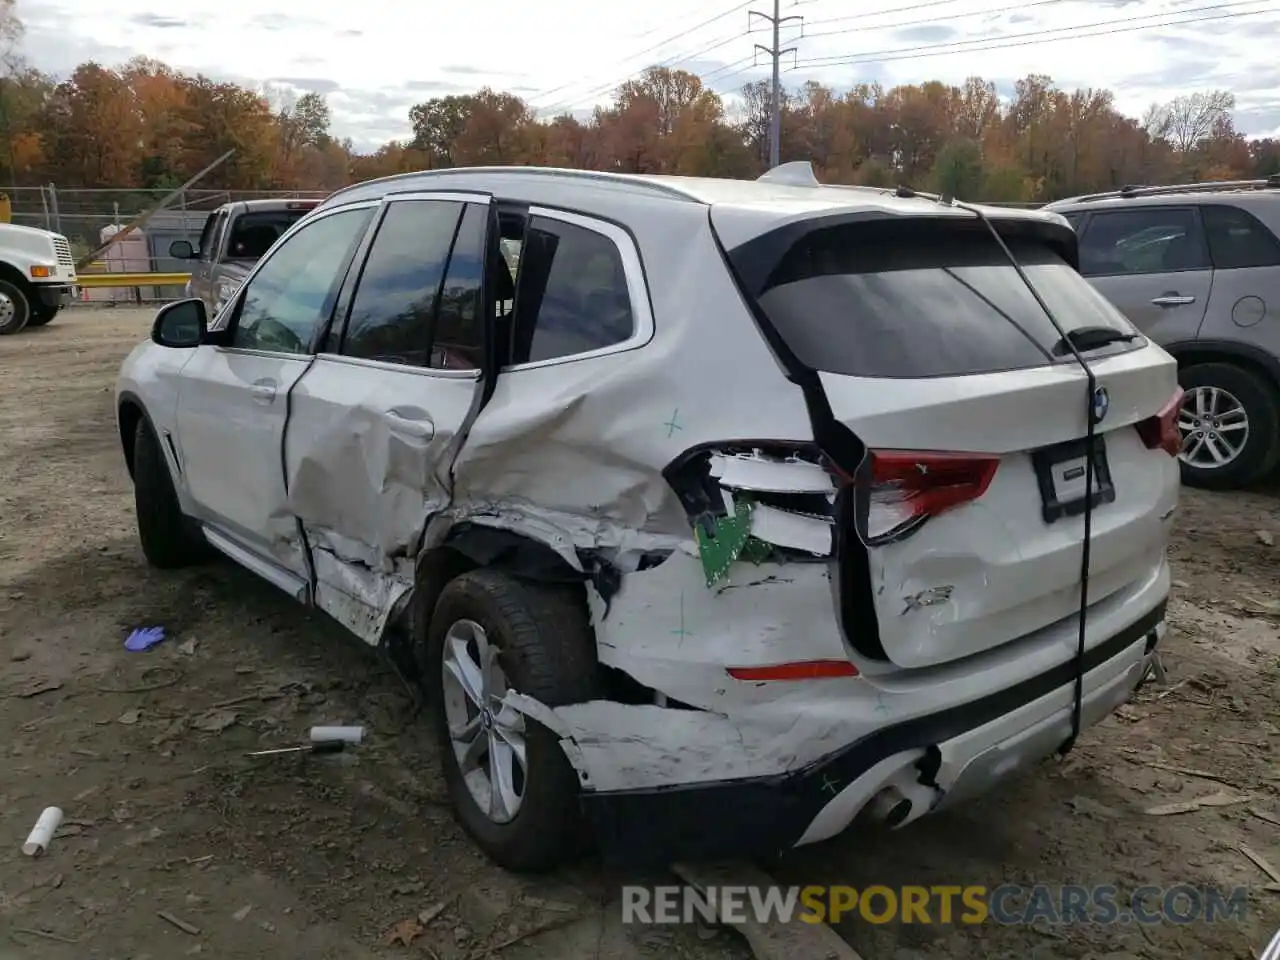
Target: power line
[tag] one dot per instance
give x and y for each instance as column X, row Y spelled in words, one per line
column 657, row 46
column 595, row 92
column 1019, row 39
column 899, row 24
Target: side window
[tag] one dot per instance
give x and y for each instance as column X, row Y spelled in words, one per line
column 1237, row 239
column 287, row 300
column 1075, row 219
column 207, row 234
column 457, row 343
column 1145, row 240
column 571, row 294
column 399, row 287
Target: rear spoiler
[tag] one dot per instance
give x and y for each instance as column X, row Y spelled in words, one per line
column 755, row 260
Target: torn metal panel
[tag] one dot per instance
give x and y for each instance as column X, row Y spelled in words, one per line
column 616, row 746
column 361, row 599
column 673, row 635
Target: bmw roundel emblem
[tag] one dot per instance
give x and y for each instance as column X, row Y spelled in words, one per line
column 1101, row 404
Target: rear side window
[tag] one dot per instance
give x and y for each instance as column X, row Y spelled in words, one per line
column 571, row 294
column 1143, row 240
column 395, row 299
column 926, row 302
column 1237, row 239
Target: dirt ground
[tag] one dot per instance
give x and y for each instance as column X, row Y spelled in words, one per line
column 322, row 857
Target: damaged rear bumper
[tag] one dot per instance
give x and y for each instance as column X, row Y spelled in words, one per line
column 957, row 752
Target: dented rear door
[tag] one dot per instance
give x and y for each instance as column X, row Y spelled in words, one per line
column 378, row 418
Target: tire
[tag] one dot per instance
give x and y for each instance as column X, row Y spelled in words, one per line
column 15, row 308
column 546, row 649
column 169, row 538
column 40, row 315
column 1260, row 405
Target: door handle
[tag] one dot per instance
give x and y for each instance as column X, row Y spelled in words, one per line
column 417, row 424
column 1172, row 300
column 263, row 391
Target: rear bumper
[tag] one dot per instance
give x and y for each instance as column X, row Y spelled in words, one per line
column 962, row 751
column 54, row 294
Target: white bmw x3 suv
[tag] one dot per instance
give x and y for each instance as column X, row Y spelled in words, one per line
column 711, row 514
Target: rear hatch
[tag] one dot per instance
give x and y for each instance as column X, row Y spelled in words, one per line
column 931, row 350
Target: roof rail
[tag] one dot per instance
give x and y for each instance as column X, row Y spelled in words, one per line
column 1208, row 186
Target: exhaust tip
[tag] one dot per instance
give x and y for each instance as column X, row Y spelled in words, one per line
column 890, row 807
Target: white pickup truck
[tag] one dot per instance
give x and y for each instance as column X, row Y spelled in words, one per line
column 37, row 276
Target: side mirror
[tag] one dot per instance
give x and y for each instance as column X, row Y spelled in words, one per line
column 182, row 250
column 181, row 324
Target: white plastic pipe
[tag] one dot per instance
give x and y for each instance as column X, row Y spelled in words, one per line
column 345, row 734
column 42, row 832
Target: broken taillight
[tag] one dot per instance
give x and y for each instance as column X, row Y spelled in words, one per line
column 902, row 489
column 1161, row 432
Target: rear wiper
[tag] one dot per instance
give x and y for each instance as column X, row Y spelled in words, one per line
column 1090, row 338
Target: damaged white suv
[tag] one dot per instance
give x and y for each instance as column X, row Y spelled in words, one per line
column 711, row 513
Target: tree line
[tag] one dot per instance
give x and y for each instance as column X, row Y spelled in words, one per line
column 146, row 125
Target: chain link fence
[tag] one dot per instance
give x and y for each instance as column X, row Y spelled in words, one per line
column 81, row 214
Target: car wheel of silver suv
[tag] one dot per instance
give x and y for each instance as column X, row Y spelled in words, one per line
column 511, row 784
column 1229, row 423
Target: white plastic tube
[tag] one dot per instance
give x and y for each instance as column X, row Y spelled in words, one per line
column 42, row 832
column 345, row 734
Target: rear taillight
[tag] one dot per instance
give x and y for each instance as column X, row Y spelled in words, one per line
column 1161, row 431
column 905, row 488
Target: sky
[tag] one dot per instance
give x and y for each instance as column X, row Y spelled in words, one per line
column 374, row 59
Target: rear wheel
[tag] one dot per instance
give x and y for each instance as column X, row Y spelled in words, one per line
column 15, row 308
column 512, row 787
column 41, row 314
column 1230, row 426
column 169, row 537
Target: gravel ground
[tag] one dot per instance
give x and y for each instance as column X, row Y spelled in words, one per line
column 323, row 857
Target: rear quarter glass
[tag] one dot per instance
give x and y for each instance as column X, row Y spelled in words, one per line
column 884, row 301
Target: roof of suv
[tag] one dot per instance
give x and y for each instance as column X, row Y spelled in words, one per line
column 786, row 193
column 1267, row 190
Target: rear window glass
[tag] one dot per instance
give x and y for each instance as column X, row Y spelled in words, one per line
column 927, row 302
column 253, row 234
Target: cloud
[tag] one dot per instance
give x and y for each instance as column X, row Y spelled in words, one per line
column 160, row 22
column 928, row 33
column 318, row 85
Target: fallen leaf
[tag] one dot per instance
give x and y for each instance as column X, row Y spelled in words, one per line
column 1220, row 799
column 39, row 687
column 129, row 717
column 433, row 911
column 215, row 721
column 405, row 932
column 188, row 647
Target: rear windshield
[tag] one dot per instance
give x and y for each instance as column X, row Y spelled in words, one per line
column 252, row 234
column 927, row 301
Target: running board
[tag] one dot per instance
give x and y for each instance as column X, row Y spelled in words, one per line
column 290, row 583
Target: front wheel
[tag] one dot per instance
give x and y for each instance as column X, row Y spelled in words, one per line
column 169, row 538
column 1230, row 426
column 41, row 314
column 512, row 786
column 15, row 308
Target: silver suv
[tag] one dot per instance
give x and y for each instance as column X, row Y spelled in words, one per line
column 713, row 512
column 1196, row 267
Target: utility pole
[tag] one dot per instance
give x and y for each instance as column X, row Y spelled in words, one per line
column 775, row 106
